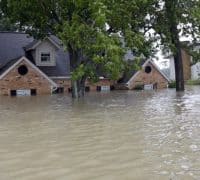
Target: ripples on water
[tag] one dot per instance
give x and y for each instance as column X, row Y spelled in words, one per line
column 105, row 136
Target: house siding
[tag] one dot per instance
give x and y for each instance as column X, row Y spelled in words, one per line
column 45, row 46
column 32, row 80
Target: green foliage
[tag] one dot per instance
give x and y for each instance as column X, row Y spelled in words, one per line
column 172, row 85
column 193, row 82
column 91, row 30
column 139, row 87
column 170, row 19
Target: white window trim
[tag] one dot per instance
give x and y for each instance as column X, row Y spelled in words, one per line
column 43, row 63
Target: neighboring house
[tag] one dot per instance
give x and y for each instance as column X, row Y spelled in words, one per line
column 30, row 67
column 195, row 68
column 149, row 77
column 187, row 60
column 195, row 71
column 190, row 71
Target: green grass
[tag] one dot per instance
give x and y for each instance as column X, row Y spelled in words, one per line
column 193, row 82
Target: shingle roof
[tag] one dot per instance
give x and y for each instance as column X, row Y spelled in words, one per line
column 12, row 47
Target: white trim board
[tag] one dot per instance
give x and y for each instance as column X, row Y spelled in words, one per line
column 40, row 41
column 32, row 65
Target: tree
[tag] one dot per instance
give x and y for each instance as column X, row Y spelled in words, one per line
column 169, row 20
column 81, row 26
column 96, row 33
column 5, row 24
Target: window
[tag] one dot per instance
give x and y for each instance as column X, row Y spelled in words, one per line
column 33, row 92
column 59, row 90
column 98, row 88
column 45, row 57
column 87, row 89
column 23, row 70
column 13, row 92
column 148, row 69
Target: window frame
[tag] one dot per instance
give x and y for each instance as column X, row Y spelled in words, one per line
column 47, row 55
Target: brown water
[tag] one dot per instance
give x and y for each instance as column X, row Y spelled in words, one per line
column 105, row 136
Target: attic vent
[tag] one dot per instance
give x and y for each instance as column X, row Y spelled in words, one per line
column 148, row 69
column 22, row 70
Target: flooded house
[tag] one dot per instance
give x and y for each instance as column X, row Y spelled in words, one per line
column 30, row 67
column 149, row 77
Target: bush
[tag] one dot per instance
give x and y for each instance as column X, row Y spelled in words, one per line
column 139, row 87
column 172, row 84
column 193, row 82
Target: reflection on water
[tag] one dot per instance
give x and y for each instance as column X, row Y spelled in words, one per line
column 105, row 136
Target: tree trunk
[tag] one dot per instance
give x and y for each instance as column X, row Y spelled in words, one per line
column 78, row 88
column 174, row 33
column 74, row 85
column 178, row 62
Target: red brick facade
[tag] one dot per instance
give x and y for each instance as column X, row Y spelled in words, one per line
column 32, row 80
column 66, row 84
column 143, row 78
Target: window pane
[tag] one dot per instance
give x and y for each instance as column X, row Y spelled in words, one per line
column 45, row 57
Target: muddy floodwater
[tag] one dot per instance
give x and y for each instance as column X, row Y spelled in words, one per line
column 122, row 135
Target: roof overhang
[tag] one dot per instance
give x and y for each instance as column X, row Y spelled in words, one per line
column 40, row 41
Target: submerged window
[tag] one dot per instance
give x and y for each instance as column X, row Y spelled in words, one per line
column 87, row 89
column 13, row 92
column 23, row 70
column 33, row 92
column 148, row 69
column 45, row 57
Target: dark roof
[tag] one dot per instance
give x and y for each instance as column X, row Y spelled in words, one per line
column 62, row 67
column 130, row 73
column 13, row 45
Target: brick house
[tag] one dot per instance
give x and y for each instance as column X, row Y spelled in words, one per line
column 148, row 77
column 30, row 67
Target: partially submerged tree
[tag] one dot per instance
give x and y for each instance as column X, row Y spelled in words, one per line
column 169, row 20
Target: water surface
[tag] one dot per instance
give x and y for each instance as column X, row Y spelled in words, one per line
column 122, row 135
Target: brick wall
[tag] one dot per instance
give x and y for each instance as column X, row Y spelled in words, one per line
column 32, row 80
column 101, row 82
column 66, row 84
column 154, row 77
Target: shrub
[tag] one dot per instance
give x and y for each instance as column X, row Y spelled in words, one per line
column 193, row 82
column 172, row 84
column 139, row 87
